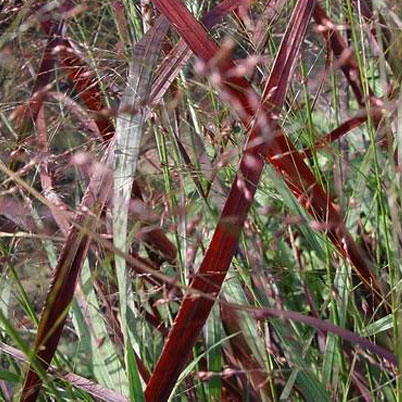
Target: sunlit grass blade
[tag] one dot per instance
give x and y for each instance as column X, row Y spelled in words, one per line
column 88, row 88
column 94, row 335
column 129, row 130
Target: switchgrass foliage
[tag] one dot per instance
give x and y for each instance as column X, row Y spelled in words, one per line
column 200, row 201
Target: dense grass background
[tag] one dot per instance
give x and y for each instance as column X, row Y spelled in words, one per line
column 118, row 153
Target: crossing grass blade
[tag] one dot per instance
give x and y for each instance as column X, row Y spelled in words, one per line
column 340, row 131
column 194, row 311
column 65, row 274
column 88, row 88
column 85, row 308
column 282, row 154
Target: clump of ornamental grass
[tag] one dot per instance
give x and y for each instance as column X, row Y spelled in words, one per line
column 200, row 201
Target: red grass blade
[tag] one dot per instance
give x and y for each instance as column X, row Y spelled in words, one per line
column 351, row 71
column 65, row 274
column 195, row 310
column 25, row 114
column 180, row 54
column 83, row 78
column 45, row 178
column 343, row 129
column 86, row 85
column 326, row 327
column 343, row 53
column 275, row 89
column 340, row 131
